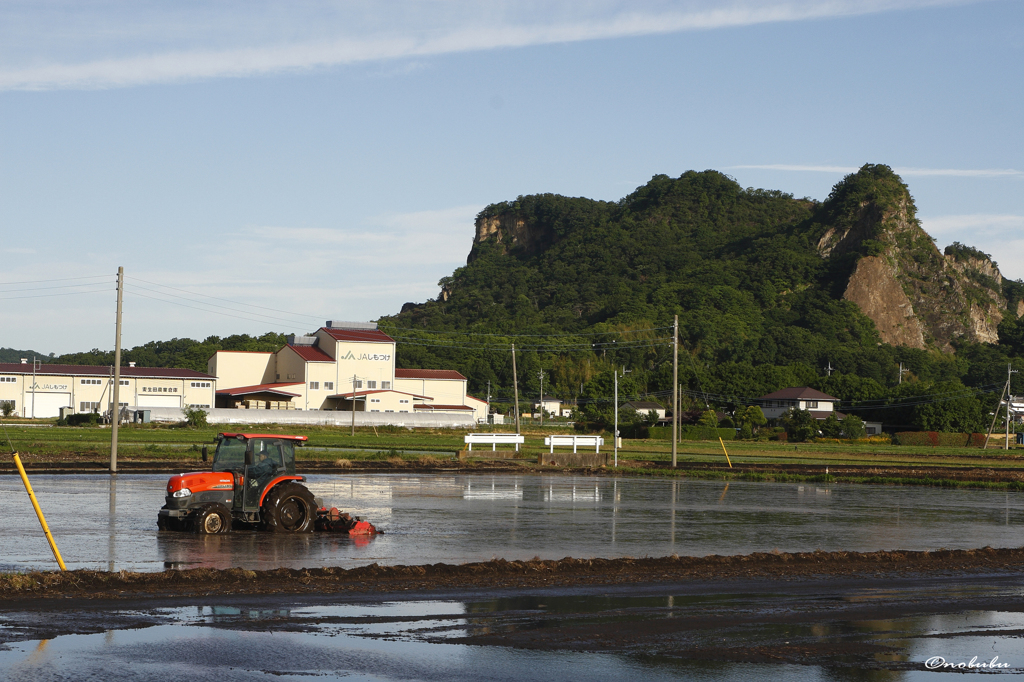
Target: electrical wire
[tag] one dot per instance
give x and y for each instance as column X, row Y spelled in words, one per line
column 226, row 300
column 248, row 316
column 62, row 279
column 66, row 293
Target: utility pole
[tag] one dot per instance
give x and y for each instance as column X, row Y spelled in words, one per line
column 34, row 365
column 616, row 436
column 116, row 413
column 1009, row 401
column 995, row 415
column 488, row 415
column 515, row 386
column 675, row 389
column 541, row 397
column 902, row 371
column 353, row 404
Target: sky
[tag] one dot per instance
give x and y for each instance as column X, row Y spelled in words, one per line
column 263, row 166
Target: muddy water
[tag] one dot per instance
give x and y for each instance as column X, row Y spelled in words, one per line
column 693, row 635
column 110, row 523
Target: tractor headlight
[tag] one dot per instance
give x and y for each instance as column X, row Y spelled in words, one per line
column 184, row 492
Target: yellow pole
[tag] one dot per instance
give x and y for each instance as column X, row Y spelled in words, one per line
column 39, row 512
column 725, row 451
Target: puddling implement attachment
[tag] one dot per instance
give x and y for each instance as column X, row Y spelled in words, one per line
column 334, row 521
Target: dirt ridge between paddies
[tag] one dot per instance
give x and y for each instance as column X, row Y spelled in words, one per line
column 500, row 573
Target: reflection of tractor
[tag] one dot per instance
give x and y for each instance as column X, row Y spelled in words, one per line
column 253, row 482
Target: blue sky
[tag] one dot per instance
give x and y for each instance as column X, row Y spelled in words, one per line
column 317, row 160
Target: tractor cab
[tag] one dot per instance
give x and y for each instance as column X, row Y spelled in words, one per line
column 252, row 481
column 256, row 461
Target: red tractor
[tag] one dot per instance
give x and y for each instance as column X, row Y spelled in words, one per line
column 252, row 483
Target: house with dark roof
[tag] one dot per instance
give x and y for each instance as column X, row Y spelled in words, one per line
column 40, row 390
column 342, row 366
column 644, row 407
column 819, row 404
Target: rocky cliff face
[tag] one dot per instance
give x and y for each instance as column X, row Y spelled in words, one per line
column 916, row 295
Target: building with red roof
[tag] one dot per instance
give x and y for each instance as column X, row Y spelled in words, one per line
column 38, row 390
column 341, row 366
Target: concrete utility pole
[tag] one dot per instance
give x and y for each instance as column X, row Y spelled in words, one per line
column 116, row 412
column 541, row 397
column 515, row 385
column 1009, row 400
column 902, row 371
column 487, row 416
column 675, row 388
column 353, row 404
column 616, row 436
column 34, row 365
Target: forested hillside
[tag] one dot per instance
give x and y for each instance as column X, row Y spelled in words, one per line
column 770, row 290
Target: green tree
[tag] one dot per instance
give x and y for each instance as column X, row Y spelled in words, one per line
column 853, row 426
column 708, row 419
column 800, row 425
column 831, row 427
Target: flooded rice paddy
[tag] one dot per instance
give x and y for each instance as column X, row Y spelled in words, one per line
column 102, row 522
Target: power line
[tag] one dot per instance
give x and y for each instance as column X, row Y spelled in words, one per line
column 266, row 319
column 226, row 300
column 62, row 279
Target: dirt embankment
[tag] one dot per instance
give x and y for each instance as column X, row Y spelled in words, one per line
column 1009, row 478
column 501, row 574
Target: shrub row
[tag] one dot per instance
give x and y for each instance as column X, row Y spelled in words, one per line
column 687, row 432
column 938, row 438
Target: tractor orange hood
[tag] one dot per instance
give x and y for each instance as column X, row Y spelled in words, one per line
column 199, row 481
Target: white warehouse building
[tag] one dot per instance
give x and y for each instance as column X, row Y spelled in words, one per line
column 340, row 367
column 41, row 390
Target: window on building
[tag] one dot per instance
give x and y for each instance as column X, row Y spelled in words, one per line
column 371, row 384
column 359, row 383
column 374, row 400
column 291, row 376
column 389, row 410
column 404, row 401
column 88, row 407
column 386, row 385
column 374, row 410
column 314, row 385
column 92, row 382
column 812, row 404
column 404, row 411
column 8, row 380
column 328, row 385
column 200, row 384
column 121, row 382
column 194, row 405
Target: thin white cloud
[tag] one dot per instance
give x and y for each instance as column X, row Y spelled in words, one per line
column 88, row 48
column 986, row 225
column 908, row 172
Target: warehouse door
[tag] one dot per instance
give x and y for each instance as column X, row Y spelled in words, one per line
column 147, row 400
column 46, row 404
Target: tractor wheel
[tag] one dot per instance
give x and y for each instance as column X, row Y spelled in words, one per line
column 211, row 519
column 289, row 508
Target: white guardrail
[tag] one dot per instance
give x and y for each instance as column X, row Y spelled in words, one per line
column 566, row 441
column 494, row 440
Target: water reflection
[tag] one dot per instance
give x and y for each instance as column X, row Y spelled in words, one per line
column 111, row 523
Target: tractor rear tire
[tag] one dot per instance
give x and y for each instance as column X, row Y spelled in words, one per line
column 211, row 519
column 289, row 508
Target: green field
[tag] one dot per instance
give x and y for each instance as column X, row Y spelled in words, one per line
column 328, row 444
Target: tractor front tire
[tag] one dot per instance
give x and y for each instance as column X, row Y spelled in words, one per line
column 289, row 508
column 212, row 519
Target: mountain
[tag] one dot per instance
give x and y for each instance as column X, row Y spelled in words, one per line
column 770, row 290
